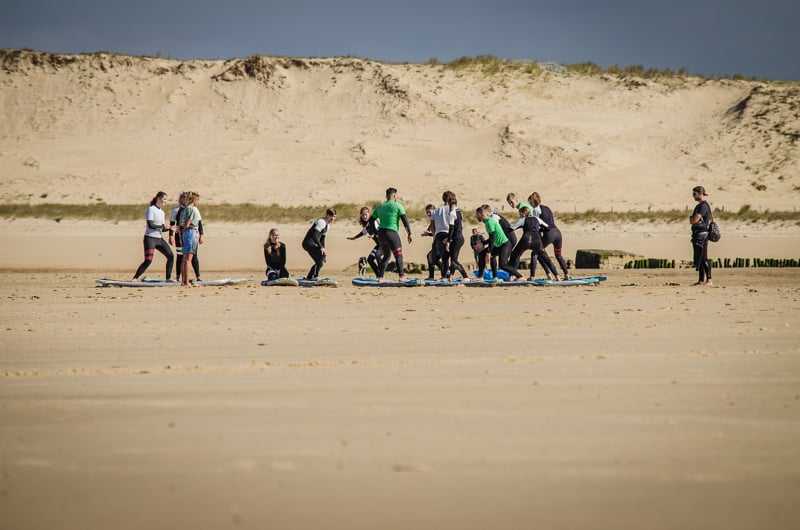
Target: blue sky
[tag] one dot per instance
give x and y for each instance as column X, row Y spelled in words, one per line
column 709, row 37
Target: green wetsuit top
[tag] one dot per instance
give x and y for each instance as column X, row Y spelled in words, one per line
column 496, row 235
column 389, row 214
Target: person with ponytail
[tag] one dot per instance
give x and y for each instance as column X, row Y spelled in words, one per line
column 550, row 232
column 153, row 240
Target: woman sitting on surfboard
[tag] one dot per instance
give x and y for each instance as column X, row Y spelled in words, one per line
column 314, row 242
column 275, row 256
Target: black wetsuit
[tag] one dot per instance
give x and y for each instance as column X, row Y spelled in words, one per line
column 456, row 242
column 275, row 257
column 314, row 244
column 529, row 240
column 507, row 229
column 376, row 256
column 552, row 235
column 700, row 241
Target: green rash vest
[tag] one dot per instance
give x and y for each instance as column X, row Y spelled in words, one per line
column 389, row 214
column 495, row 231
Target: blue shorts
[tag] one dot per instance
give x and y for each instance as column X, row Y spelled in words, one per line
column 190, row 238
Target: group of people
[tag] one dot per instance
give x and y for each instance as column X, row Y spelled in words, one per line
column 499, row 249
column 185, row 234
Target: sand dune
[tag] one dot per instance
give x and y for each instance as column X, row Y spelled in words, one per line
column 319, row 131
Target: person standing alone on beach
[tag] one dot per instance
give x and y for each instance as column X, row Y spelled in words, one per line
column 701, row 217
column 389, row 215
column 153, row 240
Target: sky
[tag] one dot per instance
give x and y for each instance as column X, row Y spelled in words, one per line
column 759, row 38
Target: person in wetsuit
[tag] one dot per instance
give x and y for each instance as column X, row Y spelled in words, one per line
column 498, row 246
column 389, row 215
column 550, row 232
column 699, row 221
column 369, row 228
column 153, row 239
column 314, row 242
column 275, row 256
column 456, row 237
column 530, row 239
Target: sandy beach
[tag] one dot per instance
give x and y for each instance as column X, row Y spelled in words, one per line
column 641, row 403
column 638, row 403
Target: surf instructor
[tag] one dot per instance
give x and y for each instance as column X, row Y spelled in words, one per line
column 389, row 214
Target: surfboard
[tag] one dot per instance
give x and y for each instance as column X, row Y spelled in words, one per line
column 289, row 282
column 107, row 282
column 443, row 283
column 482, row 283
column 322, row 282
column 373, row 282
column 222, row 281
column 555, row 283
column 153, row 282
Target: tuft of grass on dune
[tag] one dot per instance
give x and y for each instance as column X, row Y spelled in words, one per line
column 491, row 65
column 273, row 213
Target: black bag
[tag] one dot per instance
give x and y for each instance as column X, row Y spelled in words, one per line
column 713, row 231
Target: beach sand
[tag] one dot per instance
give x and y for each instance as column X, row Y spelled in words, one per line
column 638, row 403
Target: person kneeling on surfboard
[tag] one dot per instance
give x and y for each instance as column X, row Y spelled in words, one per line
column 314, row 242
column 498, row 246
column 275, row 256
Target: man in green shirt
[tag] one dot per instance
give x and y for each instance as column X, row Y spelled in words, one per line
column 389, row 215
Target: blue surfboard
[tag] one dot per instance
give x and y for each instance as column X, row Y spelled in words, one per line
column 373, row 282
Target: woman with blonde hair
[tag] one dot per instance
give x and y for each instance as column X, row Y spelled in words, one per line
column 189, row 221
column 275, row 256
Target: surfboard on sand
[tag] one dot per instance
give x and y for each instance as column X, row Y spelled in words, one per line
column 554, row 283
column 373, row 282
column 321, row 282
column 482, row 283
column 288, row 282
column 152, row 282
column 443, row 283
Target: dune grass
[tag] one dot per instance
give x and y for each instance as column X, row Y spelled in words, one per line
column 491, row 65
column 257, row 213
